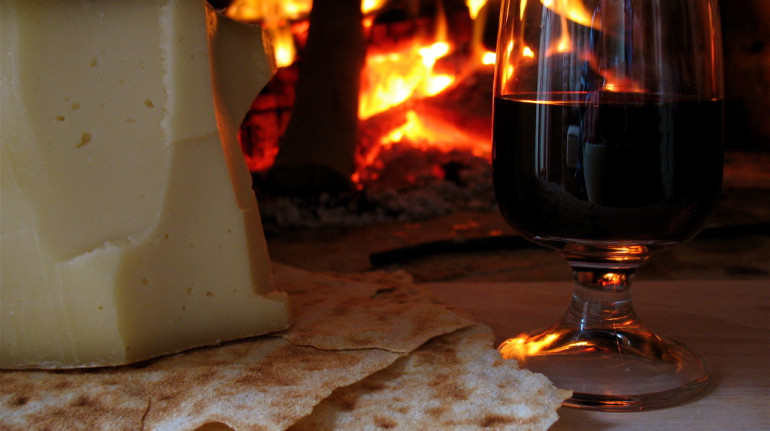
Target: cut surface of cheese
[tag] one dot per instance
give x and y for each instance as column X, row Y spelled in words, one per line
column 129, row 226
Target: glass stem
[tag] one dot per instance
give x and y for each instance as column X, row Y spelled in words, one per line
column 601, row 298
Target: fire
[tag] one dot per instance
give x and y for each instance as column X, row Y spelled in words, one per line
column 474, row 7
column 279, row 19
column 269, row 13
column 489, row 58
column 370, row 6
column 283, row 45
column 396, row 75
column 427, row 131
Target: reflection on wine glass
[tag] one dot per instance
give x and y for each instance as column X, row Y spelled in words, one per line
column 607, row 147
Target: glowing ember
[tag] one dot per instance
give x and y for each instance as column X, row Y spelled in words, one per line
column 393, row 78
column 434, row 132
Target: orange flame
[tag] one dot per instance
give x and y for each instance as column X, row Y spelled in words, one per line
column 391, row 76
column 276, row 18
column 474, row 7
column 269, row 13
column 428, row 131
column 395, row 78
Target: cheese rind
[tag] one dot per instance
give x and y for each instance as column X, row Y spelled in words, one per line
column 129, row 227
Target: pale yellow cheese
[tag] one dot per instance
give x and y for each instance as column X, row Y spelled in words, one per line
column 129, row 227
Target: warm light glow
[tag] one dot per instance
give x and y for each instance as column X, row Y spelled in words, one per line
column 391, row 78
column 433, row 52
column 437, row 83
column 269, row 13
column 426, row 131
column 369, row 6
column 276, row 11
column 568, row 10
column 527, row 52
column 423, row 131
column 525, row 345
column 283, row 45
column 611, row 279
column 474, row 6
column 613, row 82
column 396, row 77
column 564, row 43
column 277, row 18
column 489, row 58
column 573, row 10
column 632, row 249
column 396, row 74
column 509, row 72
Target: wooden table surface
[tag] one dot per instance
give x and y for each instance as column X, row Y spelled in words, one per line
column 726, row 321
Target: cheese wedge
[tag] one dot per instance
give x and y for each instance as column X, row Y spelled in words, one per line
column 129, row 226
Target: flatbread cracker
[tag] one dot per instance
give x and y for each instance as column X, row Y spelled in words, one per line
column 262, row 384
column 265, row 383
column 380, row 310
column 456, row 381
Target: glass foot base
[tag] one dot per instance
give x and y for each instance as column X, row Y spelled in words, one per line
column 612, row 370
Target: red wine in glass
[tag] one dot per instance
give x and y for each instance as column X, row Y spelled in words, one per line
column 607, row 147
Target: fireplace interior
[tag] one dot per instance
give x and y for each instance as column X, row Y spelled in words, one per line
column 374, row 134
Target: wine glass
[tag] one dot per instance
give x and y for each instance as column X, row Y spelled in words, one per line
column 607, row 147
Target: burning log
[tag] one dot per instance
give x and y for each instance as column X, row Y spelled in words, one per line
column 456, row 119
column 317, row 151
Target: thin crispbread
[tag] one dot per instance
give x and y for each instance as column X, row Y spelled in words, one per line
column 380, row 310
column 456, row 381
column 265, row 383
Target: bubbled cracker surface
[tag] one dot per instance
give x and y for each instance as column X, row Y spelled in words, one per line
column 456, row 381
column 344, row 331
column 380, row 310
